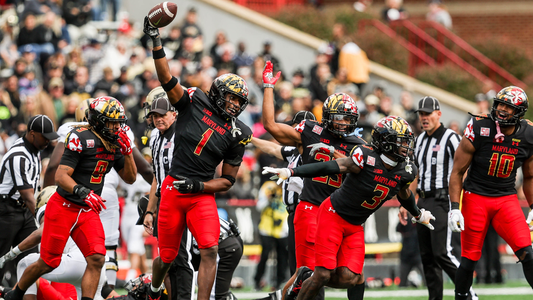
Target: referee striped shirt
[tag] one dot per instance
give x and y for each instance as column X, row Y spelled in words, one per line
column 434, row 156
column 162, row 146
column 293, row 157
column 20, row 169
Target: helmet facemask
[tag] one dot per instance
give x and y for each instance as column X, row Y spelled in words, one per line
column 340, row 114
column 229, row 84
column 393, row 136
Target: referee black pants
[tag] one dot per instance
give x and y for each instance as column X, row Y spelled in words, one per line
column 229, row 256
column 16, row 224
column 435, row 246
column 181, row 272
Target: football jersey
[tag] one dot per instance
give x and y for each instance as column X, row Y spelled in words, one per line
column 203, row 139
column 86, row 154
column 317, row 189
column 493, row 168
column 363, row 193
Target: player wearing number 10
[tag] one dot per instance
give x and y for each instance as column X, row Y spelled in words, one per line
column 207, row 132
column 494, row 147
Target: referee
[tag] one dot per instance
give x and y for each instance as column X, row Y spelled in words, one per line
column 434, row 153
column 19, row 179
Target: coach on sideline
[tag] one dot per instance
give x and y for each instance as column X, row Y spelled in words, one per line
column 19, row 179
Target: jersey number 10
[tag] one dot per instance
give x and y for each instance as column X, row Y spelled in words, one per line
column 501, row 165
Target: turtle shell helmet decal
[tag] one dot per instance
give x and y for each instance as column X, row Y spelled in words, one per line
column 392, row 133
column 106, row 109
column 232, row 84
column 514, row 97
column 337, row 107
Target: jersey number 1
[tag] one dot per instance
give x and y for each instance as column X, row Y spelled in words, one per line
column 205, row 137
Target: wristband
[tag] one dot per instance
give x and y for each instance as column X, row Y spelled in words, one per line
column 268, row 85
column 157, row 54
column 455, row 205
column 16, row 250
column 149, row 213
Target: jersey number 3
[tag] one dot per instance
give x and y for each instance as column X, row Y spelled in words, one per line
column 383, row 190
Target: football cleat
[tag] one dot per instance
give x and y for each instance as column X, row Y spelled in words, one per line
column 301, row 275
column 150, row 295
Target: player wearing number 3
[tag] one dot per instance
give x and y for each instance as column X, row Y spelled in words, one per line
column 90, row 153
column 375, row 174
column 494, row 147
column 207, row 132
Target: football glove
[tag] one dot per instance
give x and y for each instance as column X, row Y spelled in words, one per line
column 322, row 148
column 456, row 222
column 94, row 201
column 150, row 30
column 281, row 174
column 529, row 219
column 424, row 218
column 187, row 185
column 11, row 255
column 268, row 79
column 125, row 143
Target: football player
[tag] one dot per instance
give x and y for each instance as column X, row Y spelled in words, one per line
column 378, row 173
column 493, row 148
column 91, row 151
column 332, row 138
column 209, row 133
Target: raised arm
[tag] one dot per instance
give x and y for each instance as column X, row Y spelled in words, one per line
column 461, row 162
column 169, row 83
column 268, row 147
column 283, row 133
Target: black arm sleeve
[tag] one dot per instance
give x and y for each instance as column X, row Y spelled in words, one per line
column 317, row 169
column 410, row 205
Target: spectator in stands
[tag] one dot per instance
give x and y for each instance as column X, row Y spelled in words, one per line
column 243, row 58
column 206, row 67
column 70, row 111
column 115, row 8
column 438, row 13
column 226, row 59
column 341, row 84
column 74, row 60
column 172, row 42
column 372, row 114
column 80, row 85
column 8, row 46
column 482, row 103
column 393, row 11
column 454, row 125
column 406, row 101
column 30, row 35
column 56, row 90
column 356, row 63
column 215, row 51
column 30, row 56
column 190, row 28
column 106, row 83
column 318, row 87
column 267, row 55
column 362, row 5
column 50, row 34
column 77, row 12
column 91, row 55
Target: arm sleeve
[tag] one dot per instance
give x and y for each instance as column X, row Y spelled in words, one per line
column 410, row 205
column 317, row 169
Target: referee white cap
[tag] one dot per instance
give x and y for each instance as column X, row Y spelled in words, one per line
column 428, row 104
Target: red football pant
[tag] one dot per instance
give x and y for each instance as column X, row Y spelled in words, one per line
column 198, row 211
column 338, row 243
column 305, row 221
column 63, row 219
column 505, row 215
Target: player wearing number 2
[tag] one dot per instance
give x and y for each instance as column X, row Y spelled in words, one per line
column 327, row 140
column 375, row 174
column 207, row 132
column 90, row 153
column 494, row 147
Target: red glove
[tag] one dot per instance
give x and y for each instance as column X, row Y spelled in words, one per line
column 268, row 80
column 95, row 202
column 125, row 144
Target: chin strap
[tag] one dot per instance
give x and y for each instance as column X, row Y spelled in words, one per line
column 499, row 135
column 388, row 161
column 234, row 129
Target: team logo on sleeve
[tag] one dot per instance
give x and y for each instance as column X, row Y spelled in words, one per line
column 246, row 140
column 469, row 131
column 484, row 131
column 300, row 127
column 74, row 143
column 317, row 129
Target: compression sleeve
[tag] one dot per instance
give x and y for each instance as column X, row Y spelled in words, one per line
column 410, row 205
column 317, row 169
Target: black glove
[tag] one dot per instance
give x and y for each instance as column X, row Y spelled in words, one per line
column 187, row 185
column 152, row 32
column 81, row 191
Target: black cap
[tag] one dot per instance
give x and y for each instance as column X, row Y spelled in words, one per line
column 161, row 106
column 43, row 124
column 141, row 209
column 300, row 116
column 428, row 104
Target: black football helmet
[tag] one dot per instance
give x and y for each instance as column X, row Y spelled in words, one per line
column 102, row 110
column 514, row 97
column 138, row 287
column 337, row 107
column 390, row 134
column 224, row 84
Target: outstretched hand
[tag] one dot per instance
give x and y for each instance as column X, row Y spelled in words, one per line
column 268, row 79
column 280, row 174
column 424, row 218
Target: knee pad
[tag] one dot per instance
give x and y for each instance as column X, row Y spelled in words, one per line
column 525, row 255
column 468, row 264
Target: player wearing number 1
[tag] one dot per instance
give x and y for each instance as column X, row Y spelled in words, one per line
column 207, row 133
column 90, row 153
column 494, row 147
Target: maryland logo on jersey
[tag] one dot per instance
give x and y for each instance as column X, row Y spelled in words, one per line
column 246, row 141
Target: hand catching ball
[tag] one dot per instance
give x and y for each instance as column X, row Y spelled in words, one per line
column 162, row 14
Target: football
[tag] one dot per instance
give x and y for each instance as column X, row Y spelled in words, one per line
column 162, row 14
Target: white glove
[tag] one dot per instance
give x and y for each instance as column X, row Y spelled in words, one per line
column 11, row 255
column 322, row 148
column 456, row 222
column 529, row 219
column 281, row 174
column 425, row 217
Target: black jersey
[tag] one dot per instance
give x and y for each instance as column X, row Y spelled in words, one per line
column 86, row 154
column 203, row 139
column 317, row 189
column 493, row 168
column 363, row 193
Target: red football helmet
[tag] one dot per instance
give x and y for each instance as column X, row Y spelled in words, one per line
column 514, row 97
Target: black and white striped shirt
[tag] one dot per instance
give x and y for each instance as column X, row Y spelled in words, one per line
column 293, row 157
column 162, row 146
column 20, row 169
column 434, row 156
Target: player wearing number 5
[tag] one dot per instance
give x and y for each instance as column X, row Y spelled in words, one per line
column 207, row 133
column 90, row 153
column 493, row 148
column 375, row 174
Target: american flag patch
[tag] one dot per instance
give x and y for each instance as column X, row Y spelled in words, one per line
column 90, row 143
column 436, row 148
column 371, row 161
column 317, row 129
column 167, row 145
column 485, row 131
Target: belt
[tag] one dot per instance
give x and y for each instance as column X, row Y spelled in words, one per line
column 13, row 202
column 438, row 193
column 224, row 235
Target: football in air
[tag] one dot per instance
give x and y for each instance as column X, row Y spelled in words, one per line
column 162, row 14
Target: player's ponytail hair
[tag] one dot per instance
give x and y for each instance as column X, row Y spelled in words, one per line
column 108, row 146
